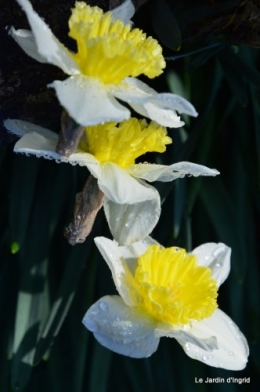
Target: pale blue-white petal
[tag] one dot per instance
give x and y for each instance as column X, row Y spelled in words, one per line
column 163, row 100
column 135, row 250
column 232, row 349
column 129, row 223
column 121, row 260
column 113, row 256
column 125, row 11
column 132, row 90
column 49, row 47
column 119, row 186
column 153, row 172
column 147, row 102
column 37, row 144
column 26, row 40
column 20, row 128
column 216, row 257
column 121, row 328
column 87, row 101
column 165, row 117
column 174, row 102
column 207, row 344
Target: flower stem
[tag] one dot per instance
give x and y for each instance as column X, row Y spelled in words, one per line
column 69, row 135
column 87, row 204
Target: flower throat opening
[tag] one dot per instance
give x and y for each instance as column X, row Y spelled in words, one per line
column 124, row 143
column 171, row 287
column 110, row 50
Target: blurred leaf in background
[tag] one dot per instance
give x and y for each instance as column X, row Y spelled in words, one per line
column 46, row 285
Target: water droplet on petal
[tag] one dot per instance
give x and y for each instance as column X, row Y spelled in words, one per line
column 103, row 306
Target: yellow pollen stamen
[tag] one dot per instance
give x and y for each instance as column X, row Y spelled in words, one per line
column 124, row 143
column 169, row 285
column 110, row 50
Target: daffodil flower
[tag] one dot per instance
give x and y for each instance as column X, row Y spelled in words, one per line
column 110, row 55
column 167, row 292
column 132, row 207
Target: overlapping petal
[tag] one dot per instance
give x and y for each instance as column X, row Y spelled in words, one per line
column 161, row 108
column 88, row 102
column 125, row 11
column 131, row 222
column 120, row 328
column 215, row 340
column 232, row 349
column 216, row 257
column 120, row 257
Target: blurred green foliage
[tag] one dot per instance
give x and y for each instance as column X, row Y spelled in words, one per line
column 46, row 285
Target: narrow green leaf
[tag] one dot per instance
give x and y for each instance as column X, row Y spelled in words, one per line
column 64, row 297
column 100, row 365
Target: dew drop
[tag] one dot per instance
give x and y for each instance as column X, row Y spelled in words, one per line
column 103, row 306
column 231, row 353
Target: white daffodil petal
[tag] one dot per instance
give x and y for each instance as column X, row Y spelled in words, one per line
column 113, row 257
column 119, row 186
column 165, row 117
column 151, row 172
column 182, row 169
column 38, row 145
column 207, row 344
column 174, row 102
column 135, row 250
column 233, row 349
column 20, row 128
column 125, row 11
column 48, row 45
column 118, row 257
column 129, row 223
column 81, row 159
column 147, row 102
column 88, row 102
column 132, row 90
column 26, row 40
column 121, row 328
column 216, row 257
